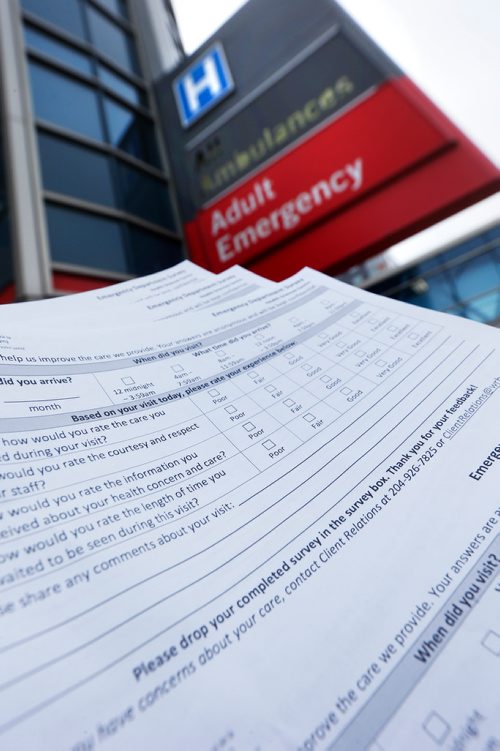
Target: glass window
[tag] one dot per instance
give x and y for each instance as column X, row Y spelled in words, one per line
column 131, row 132
column 37, row 40
column 485, row 309
column 76, row 171
column 477, row 275
column 6, row 271
column 67, row 103
column 83, row 239
column 112, row 41
column 119, row 85
column 6, row 268
column 144, row 196
column 439, row 294
column 65, row 14
column 117, row 7
column 152, row 252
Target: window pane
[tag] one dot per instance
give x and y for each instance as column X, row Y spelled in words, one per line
column 65, row 102
column 477, row 275
column 439, row 295
column 485, row 309
column 112, row 41
column 118, row 84
column 115, row 6
column 131, row 132
column 144, row 196
column 86, row 240
column 152, row 252
column 37, row 40
column 83, row 239
column 6, row 269
column 65, row 14
column 75, row 170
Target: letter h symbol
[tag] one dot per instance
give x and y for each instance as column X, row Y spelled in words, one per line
column 205, row 83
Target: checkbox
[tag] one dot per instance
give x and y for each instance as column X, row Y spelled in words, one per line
column 306, row 366
column 325, row 378
column 259, row 336
column 128, row 380
column 177, row 368
column 324, row 335
column 289, row 355
column 381, row 363
column 373, row 321
column 436, row 728
column 253, row 374
column 346, row 391
column 413, row 335
column 249, row 426
column 340, row 344
column 392, row 328
column 230, row 409
column 268, row 445
column 360, row 353
column 288, row 402
column 294, row 319
column 309, row 417
column 491, row 642
column 270, row 388
column 214, row 392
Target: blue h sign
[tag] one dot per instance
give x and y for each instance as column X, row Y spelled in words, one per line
column 203, row 85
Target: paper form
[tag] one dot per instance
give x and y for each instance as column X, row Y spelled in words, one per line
column 254, row 529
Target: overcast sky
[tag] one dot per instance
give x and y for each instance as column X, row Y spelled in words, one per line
column 451, row 50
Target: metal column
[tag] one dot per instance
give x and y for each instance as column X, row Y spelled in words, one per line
column 29, row 232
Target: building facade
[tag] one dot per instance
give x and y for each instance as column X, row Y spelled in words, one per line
column 85, row 195
column 462, row 278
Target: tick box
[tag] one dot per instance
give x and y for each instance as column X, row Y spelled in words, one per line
column 413, row 336
column 270, row 388
column 346, row 391
column 436, row 728
column 253, row 374
column 177, row 368
column 491, row 642
column 214, row 392
column 230, row 409
column 289, row 402
column 340, row 345
column 392, row 328
column 306, row 366
column 325, row 378
column 309, row 417
column 380, row 363
column 249, row 426
column 323, row 335
column 268, row 445
column 360, row 353
column 289, row 355
column 128, row 380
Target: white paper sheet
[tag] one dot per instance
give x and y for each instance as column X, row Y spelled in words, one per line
column 271, row 523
